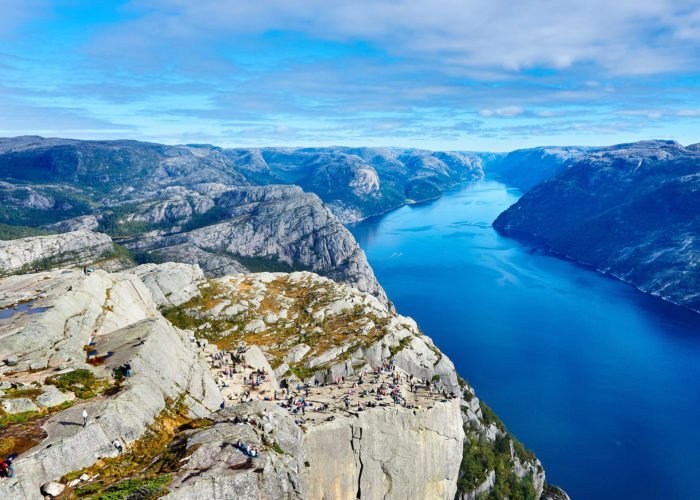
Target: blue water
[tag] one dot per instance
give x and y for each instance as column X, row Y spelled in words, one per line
column 600, row 380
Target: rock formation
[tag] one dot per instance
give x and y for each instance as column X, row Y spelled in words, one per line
column 44, row 251
column 69, row 333
column 629, row 211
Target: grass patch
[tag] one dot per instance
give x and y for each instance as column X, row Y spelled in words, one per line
column 145, row 469
column 81, row 382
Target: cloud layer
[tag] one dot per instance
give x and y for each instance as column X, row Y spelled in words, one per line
column 452, row 74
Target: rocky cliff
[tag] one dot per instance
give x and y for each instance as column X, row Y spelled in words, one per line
column 630, row 211
column 525, row 168
column 176, row 203
column 44, row 251
column 262, row 228
column 354, row 400
column 357, row 183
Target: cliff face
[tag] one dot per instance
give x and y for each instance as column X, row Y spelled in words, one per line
column 525, row 168
column 360, row 182
column 69, row 248
column 178, row 203
column 183, row 336
column 268, row 227
column 375, row 455
column 628, row 210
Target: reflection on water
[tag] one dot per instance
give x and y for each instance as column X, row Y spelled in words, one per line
column 599, row 379
column 24, row 307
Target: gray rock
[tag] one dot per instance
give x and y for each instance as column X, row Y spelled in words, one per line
column 52, row 396
column 75, row 247
column 628, row 211
column 53, row 488
column 296, row 353
column 18, row 405
column 171, row 284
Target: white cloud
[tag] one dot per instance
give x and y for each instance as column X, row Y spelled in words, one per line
column 621, row 37
column 506, row 111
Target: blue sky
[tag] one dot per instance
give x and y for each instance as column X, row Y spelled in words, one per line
column 460, row 75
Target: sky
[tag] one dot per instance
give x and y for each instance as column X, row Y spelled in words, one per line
column 485, row 75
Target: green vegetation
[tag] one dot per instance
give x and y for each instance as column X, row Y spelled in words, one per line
column 490, row 417
column 481, row 456
column 147, row 258
column 267, row 264
column 146, row 468
column 118, row 252
column 9, row 232
column 116, row 223
column 211, row 216
column 403, row 343
column 17, row 418
column 141, row 488
column 82, row 382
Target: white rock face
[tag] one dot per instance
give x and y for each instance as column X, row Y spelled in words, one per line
column 171, row 284
column 387, row 453
column 117, row 312
column 18, row 405
column 53, row 488
column 73, row 247
column 52, row 396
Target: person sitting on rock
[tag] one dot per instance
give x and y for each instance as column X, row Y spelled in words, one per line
column 118, row 445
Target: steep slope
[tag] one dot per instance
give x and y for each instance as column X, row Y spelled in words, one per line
column 267, row 227
column 525, row 168
column 76, row 247
column 410, row 425
column 631, row 211
column 360, row 182
column 175, row 203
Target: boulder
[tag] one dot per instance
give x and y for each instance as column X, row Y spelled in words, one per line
column 171, row 284
column 53, row 489
column 52, row 396
column 18, row 405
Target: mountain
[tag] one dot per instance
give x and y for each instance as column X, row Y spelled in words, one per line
column 631, row 211
column 357, row 183
column 525, row 168
column 194, row 418
column 176, row 203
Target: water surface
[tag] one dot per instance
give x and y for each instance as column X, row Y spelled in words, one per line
column 600, row 380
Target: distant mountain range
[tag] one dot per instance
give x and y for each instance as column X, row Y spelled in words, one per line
column 225, row 209
column 631, row 211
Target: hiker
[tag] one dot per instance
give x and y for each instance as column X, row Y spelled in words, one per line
column 85, row 417
column 127, row 370
column 118, row 445
column 6, row 468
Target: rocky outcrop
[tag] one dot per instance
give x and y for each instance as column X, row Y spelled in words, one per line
column 628, row 211
column 44, row 251
column 170, row 284
column 372, row 446
column 375, row 454
column 315, row 331
column 271, row 226
column 116, row 315
column 360, row 182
